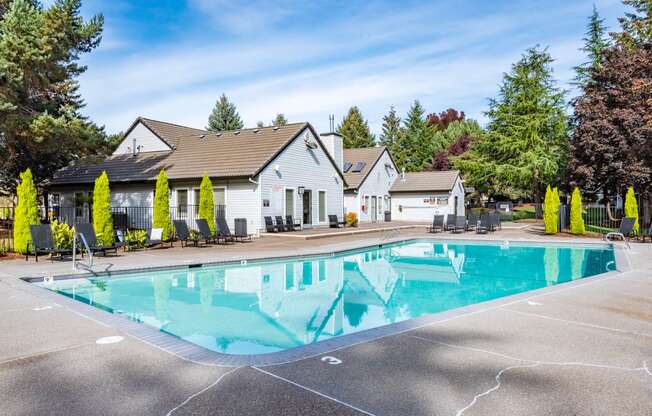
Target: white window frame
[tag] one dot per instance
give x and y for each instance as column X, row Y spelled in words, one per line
column 294, row 200
column 325, row 206
column 176, row 200
column 226, row 198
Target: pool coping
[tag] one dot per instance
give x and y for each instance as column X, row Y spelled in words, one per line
column 200, row 355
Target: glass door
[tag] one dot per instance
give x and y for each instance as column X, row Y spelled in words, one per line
column 374, row 209
column 307, row 207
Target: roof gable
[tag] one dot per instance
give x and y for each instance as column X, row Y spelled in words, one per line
column 367, row 155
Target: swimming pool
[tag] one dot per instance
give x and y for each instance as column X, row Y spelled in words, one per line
column 268, row 306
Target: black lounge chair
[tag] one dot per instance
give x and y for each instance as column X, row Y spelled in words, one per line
column 494, row 219
column 87, row 230
column 183, row 234
column 269, row 225
column 333, row 222
column 437, row 224
column 484, row 226
column 449, row 225
column 224, row 231
column 43, row 243
column 279, row 224
column 241, row 229
column 460, row 224
column 290, row 224
column 472, row 222
column 647, row 234
column 625, row 230
column 154, row 237
column 205, row 231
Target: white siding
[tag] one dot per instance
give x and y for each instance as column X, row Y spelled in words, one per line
column 414, row 206
column 377, row 183
column 147, row 141
column 300, row 166
column 352, row 202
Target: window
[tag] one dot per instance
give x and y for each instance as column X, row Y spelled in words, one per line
column 196, row 202
column 79, row 204
column 358, row 166
column 56, row 199
column 219, row 196
column 366, row 203
column 346, row 167
column 289, row 202
column 182, row 201
column 322, row 206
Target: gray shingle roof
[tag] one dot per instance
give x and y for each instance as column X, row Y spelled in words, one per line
column 426, row 181
column 228, row 154
column 368, row 155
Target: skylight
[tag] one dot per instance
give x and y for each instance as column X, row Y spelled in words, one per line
column 346, row 167
column 358, row 166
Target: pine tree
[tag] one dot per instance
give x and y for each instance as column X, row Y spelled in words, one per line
column 391, row 129
column 102, row 216
column 525, row 145
column 279, row 120
column 162, row 206
column 595, row 42
column 206, row 204
column 576, row 220
column 224, row 116
column 631, row 207
column 637, row 26
column 354, row 130
column 417, row 143
column 260, row 124
column 550, row 212
column 26, row 212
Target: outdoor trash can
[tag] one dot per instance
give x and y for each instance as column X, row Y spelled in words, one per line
column 388, row 216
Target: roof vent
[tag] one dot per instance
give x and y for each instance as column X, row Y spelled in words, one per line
column 256, row 131
column 201, row 136
column 358, row 166
column 276, row 128
column 236, row 132
column 218, row 134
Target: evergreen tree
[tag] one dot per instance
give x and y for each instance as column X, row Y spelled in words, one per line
column 206, row 204
column 102, row 216
column 224, row 116
column 550, row 212
column 595, row 43
column 162, row 206
column 576, row 219
column 41, row 127
column 391, row 129
column 525, row 145
column 26, row 212
column 637, row 26
column 355, row 130
column 279, row 120
column 417, row 143
column 631, row 207
column 260, row 124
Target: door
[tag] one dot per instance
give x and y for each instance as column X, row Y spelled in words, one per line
column 307, row 207
column 455, row 206
column 374, row 209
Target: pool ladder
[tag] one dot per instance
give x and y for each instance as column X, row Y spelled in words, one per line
column 84, row 246
column 390, row 233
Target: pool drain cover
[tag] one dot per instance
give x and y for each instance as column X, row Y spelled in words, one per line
column 109, row 340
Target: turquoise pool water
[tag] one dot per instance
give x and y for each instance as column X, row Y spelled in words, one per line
column 270, row 306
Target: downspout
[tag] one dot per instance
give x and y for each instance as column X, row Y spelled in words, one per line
column 260, row 204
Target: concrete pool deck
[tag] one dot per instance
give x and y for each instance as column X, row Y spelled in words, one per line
column 579, row 350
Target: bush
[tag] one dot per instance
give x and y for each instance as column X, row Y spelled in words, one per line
column 551, row 211
column 352, row 219
column 102, row 216
column 62, row 234
column 162, row 206
column 631, row 208
column 26, row 212
column 576, row 220
column 206, row 205
column 136, row 238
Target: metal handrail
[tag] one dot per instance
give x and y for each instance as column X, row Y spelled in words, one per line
column 84, row 246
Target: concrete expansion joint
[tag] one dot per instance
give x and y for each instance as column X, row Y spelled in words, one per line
column 210, row 386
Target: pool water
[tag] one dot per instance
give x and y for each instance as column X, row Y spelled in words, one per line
column 270, row 306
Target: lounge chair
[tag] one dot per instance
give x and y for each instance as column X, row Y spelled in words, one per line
column 154, row 237
column 183, row 233
column 87, row 230
column 494, row 218
column 43, row 243
column 279, row 224
column 437, row 224
column 290, row 224
column 241, row 229
column 269, row 225
column 647, row 234
column 485, row 224
column 472, row 222
column 625, row 230
column 333, row 222
column 449, row 225
column 224, row 231
column 205, row 231
column 460, row 224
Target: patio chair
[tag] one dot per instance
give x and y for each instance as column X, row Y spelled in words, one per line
column 182, row 233
column 155, row 238
column 625, row 230
column 472, row 221
column 43, row 242
column 88, row 231
column 494, row 218
column 279, row 223
column 224, row 231
column 484, row 225
column 460, row 224
column 647, row 234
column 292, row 226
column 449, row 225
column 205, row 231
column 241, row 229
column 437, row 224
column 269, row 225
column 333, row 222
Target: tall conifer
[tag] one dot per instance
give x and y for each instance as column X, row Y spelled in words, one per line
column 354, row 130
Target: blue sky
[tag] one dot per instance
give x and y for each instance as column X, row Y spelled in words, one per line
column 170, row 60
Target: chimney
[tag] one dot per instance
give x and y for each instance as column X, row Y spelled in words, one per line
column 134, row 150
column 333, row 143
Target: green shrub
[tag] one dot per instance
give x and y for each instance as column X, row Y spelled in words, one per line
column 102, row 217
column 550, row 211
column 206, row 205
column 576, row 220
column 26, row 212
column 62, row 234
column 631, row 208
column 136, row 238
column 162, row 206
